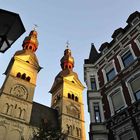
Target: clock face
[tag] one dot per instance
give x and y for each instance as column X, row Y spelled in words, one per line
column 19, row 91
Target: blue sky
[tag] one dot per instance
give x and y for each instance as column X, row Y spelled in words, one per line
column 82, row 22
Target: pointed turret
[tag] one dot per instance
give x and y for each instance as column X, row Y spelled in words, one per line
column 30, row 42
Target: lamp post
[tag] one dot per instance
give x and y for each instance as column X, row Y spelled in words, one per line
column 11, row 28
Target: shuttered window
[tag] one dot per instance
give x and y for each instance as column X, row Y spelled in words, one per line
column 117, row 100
column 135, row 85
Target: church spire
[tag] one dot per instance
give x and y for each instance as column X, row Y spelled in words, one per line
column 67, row 61
column 30, row 42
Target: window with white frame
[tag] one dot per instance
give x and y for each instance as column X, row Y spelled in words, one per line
column 93, row 83
column 97, row 112
column 137, row 41
column 110, row 72
column 135, row 86
column 117, row 100
column 127, row 58
column 135, row 21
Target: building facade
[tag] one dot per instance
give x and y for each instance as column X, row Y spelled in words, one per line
column 112, row 76
column 20, row 117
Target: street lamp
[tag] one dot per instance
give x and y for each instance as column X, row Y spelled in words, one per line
column 11, row 28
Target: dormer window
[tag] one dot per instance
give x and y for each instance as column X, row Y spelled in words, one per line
column 104, row 47
column 135, row 21
column 104, row 50
column 119, row 36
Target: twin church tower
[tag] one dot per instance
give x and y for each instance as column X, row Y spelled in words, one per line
column 20, row 117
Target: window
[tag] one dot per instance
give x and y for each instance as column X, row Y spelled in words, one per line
column 69, row 95
column 127, row 58
column 93, row 84
column 137, row 41
column 110, row 72
column 117, row 100
column 97, row 112
column 23, row 76
column 135, row 21
column 76, row 99
column 18, row 74
column 135, row 86
column 73, row 96
column 30, row 47
column 28, row 79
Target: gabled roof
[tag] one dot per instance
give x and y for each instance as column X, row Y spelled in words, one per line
column 63, row 74
column 27, row 55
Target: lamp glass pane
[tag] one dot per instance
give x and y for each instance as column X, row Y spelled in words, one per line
column 3, row 47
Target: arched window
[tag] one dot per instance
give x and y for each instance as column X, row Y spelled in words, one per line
column 23, row 76
column 76, row 99
column 69, row 95
column 30, row 47
column 28, row 79
column 72, row 96
column 18, row 74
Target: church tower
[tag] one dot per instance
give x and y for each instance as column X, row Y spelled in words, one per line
column 16, row 94
column 67, row 98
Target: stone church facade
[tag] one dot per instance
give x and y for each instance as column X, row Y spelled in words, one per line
column 17, row 109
